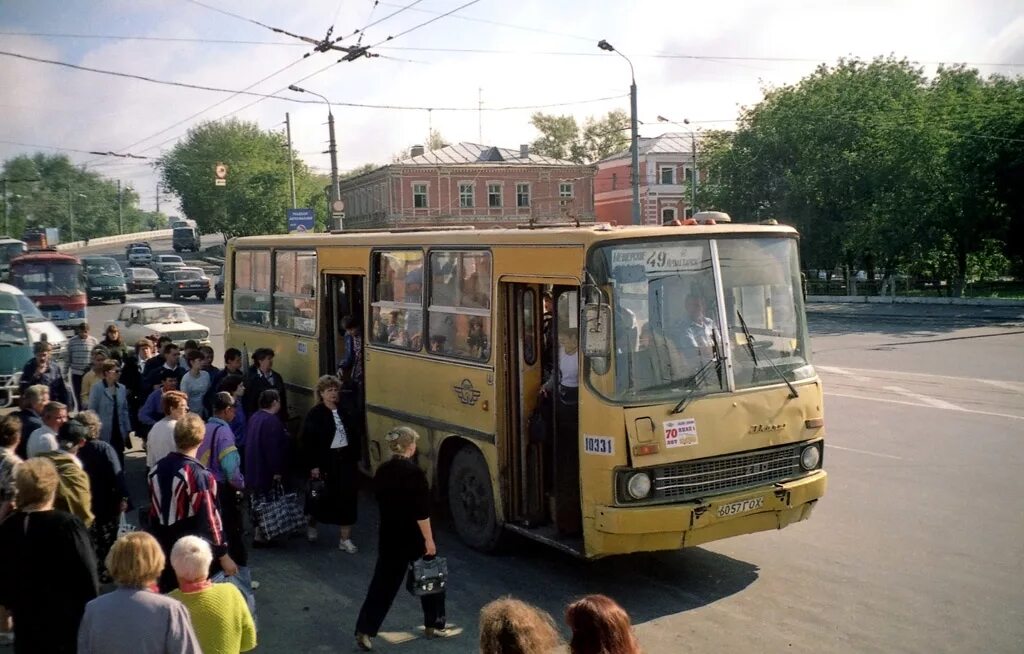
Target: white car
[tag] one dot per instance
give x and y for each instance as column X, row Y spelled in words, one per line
column 164, row 262
column 139, row 320
column 140, row 256
column 39, row 326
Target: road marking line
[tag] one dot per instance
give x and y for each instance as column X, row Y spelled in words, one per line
column 931, row 401
column 1010, row 386
column 853, row 449
column 844, row 372
column 926, row 406
column 878, row 373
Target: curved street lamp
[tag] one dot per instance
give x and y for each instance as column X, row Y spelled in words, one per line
column 335, row 188
column 634, row 137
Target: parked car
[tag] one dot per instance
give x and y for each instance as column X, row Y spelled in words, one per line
column 39, row 326
column 139, row 320
column 140, row 256
column 177, row 284
column 162, row 262
column 140, row 280
column 103, row 279
column 15, row 350
column 218, row 287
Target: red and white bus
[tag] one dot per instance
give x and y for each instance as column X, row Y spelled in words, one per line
column 55, row 283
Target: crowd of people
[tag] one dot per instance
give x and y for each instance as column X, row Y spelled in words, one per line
column 216, row 444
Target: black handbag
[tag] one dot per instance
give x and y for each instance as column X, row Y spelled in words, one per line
column 537, row 426
column 427, row 576
column 315, row 491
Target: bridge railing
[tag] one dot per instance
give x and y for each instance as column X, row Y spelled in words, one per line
column 120, row 238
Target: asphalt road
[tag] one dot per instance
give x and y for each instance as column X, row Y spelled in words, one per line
column 918, row 546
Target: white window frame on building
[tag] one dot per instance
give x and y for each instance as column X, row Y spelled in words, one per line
column 467, row 191
column 492, row 194
column 425, row 194
column 670, row 169
column 565, row 190
column 668, row 214
column 522, row 195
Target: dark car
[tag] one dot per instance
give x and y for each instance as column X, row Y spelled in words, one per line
column 104, row 279
column 140, row 280
column 177, row 284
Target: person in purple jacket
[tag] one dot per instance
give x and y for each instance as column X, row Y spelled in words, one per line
column 220, row 456
column 266, row 449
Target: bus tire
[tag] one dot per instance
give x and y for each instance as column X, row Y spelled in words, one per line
column 471, row 500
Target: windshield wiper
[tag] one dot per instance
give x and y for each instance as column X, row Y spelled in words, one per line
column 694, row 382
column 753, row 356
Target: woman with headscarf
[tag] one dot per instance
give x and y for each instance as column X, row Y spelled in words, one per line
column 113, row 343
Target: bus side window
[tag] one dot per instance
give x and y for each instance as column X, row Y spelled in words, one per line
column 460, row 304
column 396, row 316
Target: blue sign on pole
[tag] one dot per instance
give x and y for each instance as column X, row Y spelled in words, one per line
column 300, row 220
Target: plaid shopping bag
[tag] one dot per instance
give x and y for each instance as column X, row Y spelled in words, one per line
column 279, row 513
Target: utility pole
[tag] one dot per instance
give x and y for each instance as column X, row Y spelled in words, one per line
column 634, row 135
column 291, row 159
column 7, row 201
column 71, row 215
column 158, row 197
column 693, row 182
column 120, row 218
column 335, row 187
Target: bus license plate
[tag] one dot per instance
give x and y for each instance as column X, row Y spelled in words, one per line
column 743, row 506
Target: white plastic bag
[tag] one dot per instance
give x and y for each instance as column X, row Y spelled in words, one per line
column 123, row 527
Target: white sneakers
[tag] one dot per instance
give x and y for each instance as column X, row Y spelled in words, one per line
column 364, row 643
column 348, row 546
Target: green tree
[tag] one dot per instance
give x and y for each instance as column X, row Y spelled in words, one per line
column 256, row 194
column 80, row 203
column 561, row 137
column 877, row 166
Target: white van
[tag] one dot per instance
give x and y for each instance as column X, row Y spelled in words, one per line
column 37, row 323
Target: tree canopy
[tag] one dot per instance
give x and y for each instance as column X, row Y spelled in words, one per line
column 561, row 137
column 256, row 194
column 65, row 194
column 881, row 168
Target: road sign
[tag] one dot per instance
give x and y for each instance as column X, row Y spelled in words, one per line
column 338, row 206
column 220, row 175
column 220, row 182
column 301, row 220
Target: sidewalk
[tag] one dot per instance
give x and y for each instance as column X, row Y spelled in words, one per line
column 871, row 311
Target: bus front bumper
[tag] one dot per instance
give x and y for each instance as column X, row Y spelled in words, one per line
column 620, row 530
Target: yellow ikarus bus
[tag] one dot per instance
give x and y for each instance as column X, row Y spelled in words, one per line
column 602, row 389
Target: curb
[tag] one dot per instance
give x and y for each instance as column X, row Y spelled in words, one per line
column 937, row 301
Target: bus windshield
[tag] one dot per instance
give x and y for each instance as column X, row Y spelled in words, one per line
column 672, row 333
column 48, row 279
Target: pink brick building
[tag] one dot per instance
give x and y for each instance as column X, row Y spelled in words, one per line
column 666, row 168
column 469, row 184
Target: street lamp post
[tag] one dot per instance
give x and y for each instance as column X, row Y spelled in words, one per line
column 634, row 137
column 335, row 188
column 7, row 201
column 71, row 213
column 693, row 153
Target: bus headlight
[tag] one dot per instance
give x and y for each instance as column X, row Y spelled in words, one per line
column 810, row 457
column 639, row 485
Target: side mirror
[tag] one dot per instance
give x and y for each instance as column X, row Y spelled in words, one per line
column 597, row 336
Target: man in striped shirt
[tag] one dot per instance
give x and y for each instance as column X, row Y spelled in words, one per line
column 183, row 501
column 80, row 348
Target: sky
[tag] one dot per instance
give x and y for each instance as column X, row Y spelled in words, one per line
column 701, row 62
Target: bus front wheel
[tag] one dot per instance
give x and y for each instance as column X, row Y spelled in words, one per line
column 471, row 500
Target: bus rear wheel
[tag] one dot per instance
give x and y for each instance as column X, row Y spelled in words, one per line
column 471, row 500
